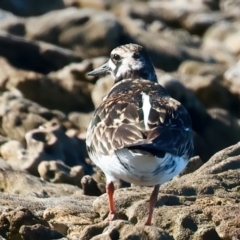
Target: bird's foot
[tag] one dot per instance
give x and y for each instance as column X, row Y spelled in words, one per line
column 111, row 216
column 148, row 223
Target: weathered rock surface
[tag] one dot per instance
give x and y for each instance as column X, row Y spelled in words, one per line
column 223, row 35
column 192, row 206
column 47, row 101
column 206, row 203
column 28, row 8
column 36, row 56
column 165, row 54
column 83, row 30
column 232, row 77
column 58, row 172
column 62, row 93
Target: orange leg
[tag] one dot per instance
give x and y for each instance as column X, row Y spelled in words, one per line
column 152, row 203
column 110, row 192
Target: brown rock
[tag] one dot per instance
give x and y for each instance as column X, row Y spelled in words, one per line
column 198, row 23
column 231, row 8
column 12, row 182
column 38, row 231
column 179, row 36
column 91, row 187
column 220, row 41
column 13, row 221
column 71, row 95
column 51, row 216
column 198, row 205
column 210, row 90
column 169, row 12
column 15, row 124
column 97, row 4
column 14, row 154
column 101, row 88
column 80, row 121
column 19, row 115
column 11, row 23
column 232, row 78
column 83, row 30
column 226, row 219
column 78, row 86
column 191, row 206
column 78, row 71
column 123, row 230
column 203, row 69
column 27, row 8
column 58, row 172
column 224, row 127
column 208, row 85
column 35, row 56
column 169, row 52
column 51, row 143
column 69, row 219
column 4, row 165
column 193, row 164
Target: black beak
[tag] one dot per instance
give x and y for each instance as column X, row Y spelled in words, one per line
column 104, row 69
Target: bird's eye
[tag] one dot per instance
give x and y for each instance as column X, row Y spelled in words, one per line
column 136, row 56
column 116, row 57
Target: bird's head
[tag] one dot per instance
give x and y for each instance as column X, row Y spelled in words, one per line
column 127, row 61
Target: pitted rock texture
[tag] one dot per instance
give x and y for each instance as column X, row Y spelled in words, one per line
column 49, row 188
column 198, row 205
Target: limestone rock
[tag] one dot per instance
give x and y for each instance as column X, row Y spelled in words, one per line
column 83, row 30
column 47, row 100
column 59, row 94
column 4, row 165
column 11, row 23
column 231, row 7
column 223, row 35
column 39, row 231
column 91, row 187
column 19, row 115
column 101, row 88
column 80, row 121
column 210, row 90
column 58, row 172
column 53, row 218
column 191, row 206
column 51, row 143
column 123, row 230
column 198, row 23
column 203, row 69
column 38, row 56
column 12, row 182
column 13, row 154
column 165, row 54
column 27, row 8
column 232, row 77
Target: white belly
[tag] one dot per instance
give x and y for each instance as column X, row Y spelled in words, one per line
column 145, row 170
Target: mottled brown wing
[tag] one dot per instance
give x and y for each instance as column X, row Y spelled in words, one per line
column 119, row 123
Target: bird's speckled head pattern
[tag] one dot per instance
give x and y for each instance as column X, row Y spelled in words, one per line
column 128, row 61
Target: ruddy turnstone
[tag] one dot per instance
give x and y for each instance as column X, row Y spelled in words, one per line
column 138, row 134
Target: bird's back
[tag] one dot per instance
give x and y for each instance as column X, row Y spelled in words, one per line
column 140, row 114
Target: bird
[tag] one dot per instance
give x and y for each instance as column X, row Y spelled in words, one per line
column 138, row 134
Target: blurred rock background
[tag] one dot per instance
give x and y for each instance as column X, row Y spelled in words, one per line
column 48, row 185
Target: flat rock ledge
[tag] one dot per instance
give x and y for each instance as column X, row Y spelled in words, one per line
column 199, row 205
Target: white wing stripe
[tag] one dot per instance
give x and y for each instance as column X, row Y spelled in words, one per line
column 146, row 108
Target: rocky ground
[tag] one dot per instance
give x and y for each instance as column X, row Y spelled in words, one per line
column 49, row 189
